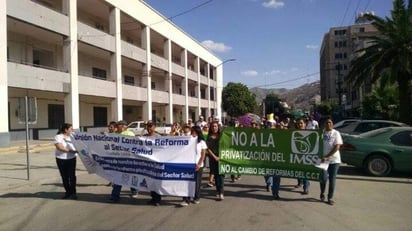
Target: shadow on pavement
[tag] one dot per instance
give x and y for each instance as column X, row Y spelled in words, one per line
column 142, row 199
column 233, row 190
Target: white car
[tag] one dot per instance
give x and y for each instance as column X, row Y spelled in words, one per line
column 344, row 123
column 139, row 128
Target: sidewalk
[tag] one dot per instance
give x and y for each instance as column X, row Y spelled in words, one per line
column 19, row 146
column 43, row 168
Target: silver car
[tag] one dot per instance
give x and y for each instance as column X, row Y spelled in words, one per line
column 368, row 125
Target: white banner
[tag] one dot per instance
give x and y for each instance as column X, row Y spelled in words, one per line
column 163, row 164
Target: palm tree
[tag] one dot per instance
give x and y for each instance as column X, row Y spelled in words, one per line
column 389, row 53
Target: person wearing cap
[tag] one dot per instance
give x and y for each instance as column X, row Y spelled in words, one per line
column 115, row 196
column 111, row 128
column 201, row 122
column 271, row 122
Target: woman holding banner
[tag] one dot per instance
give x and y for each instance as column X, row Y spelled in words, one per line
column 156, row 198
column 66, row 160
column 201, row 148
column 213, row 149
column 332, row 140
column 301, row 125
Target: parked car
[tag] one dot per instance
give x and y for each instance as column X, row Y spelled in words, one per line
column 380, row 151
column 139, row 128
column 344, row 123
column 368, row 125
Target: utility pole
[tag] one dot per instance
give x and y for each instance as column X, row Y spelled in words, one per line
column 339, row 82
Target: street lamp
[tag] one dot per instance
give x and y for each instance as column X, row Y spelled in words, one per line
column 219, row 89
column 227, row 60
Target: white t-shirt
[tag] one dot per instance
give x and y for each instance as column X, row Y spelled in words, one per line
column 330, row 139
column 67, row 143
column 199, row 147
column 312, row 124
column 201, row 124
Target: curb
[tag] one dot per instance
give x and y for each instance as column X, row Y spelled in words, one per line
column 22, row 149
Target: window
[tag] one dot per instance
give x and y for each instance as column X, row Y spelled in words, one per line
column 340, row 44
column 341, row 55
column 402, row 138
column 99, row 26
column 341, row 67
column 55, row 115
column 153, row 85
column 362, row 29
column 99, row 116
column 340, row 32
column 129, row 80
column 212, row 94
column 43, row 58
column 129, row 40
column 99, row 73
column 203, row 93
column 211, row 73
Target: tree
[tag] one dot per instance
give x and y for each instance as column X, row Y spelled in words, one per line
column 327, row 108
column 390, row 54
column 381, row 103
column 273, row 104
column 237, row 100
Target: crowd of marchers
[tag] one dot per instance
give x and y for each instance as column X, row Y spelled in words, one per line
column 207, row 133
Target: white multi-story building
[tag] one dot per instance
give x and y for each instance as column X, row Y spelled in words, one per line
column 89, row 62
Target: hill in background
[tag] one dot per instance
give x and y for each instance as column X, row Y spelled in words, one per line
column 302, row 97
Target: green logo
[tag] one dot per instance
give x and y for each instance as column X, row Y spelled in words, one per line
column 305, row 142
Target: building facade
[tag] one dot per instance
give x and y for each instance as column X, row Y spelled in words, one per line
column 338, row 48
column 88, row 62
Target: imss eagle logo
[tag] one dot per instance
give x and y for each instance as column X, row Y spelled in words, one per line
column 305, row 142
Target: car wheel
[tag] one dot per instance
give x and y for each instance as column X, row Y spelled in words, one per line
column 378, row 165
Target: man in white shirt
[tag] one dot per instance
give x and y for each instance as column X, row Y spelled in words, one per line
column 312, row 124
column 201, row 122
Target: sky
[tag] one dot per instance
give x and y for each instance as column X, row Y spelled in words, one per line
column 276, row 43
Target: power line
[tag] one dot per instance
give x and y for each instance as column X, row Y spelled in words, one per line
column 367, row 5
column 356, row 9
column 346, row 11
column 182, row 13
column 290, row 80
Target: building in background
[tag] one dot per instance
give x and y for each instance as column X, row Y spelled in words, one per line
column 338, row 49
column 88, row 62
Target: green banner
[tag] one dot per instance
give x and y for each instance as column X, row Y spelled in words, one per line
column 286, row 153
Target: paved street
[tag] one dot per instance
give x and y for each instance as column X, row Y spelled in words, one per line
column 362, row 203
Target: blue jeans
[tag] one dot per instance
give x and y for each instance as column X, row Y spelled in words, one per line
column 275, row 185
column 219, row 179
column 331, row 175
column 116, row 191
column 268, row 180
column 305, row 182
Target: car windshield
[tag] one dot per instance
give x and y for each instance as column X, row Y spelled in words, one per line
column 376, row 132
